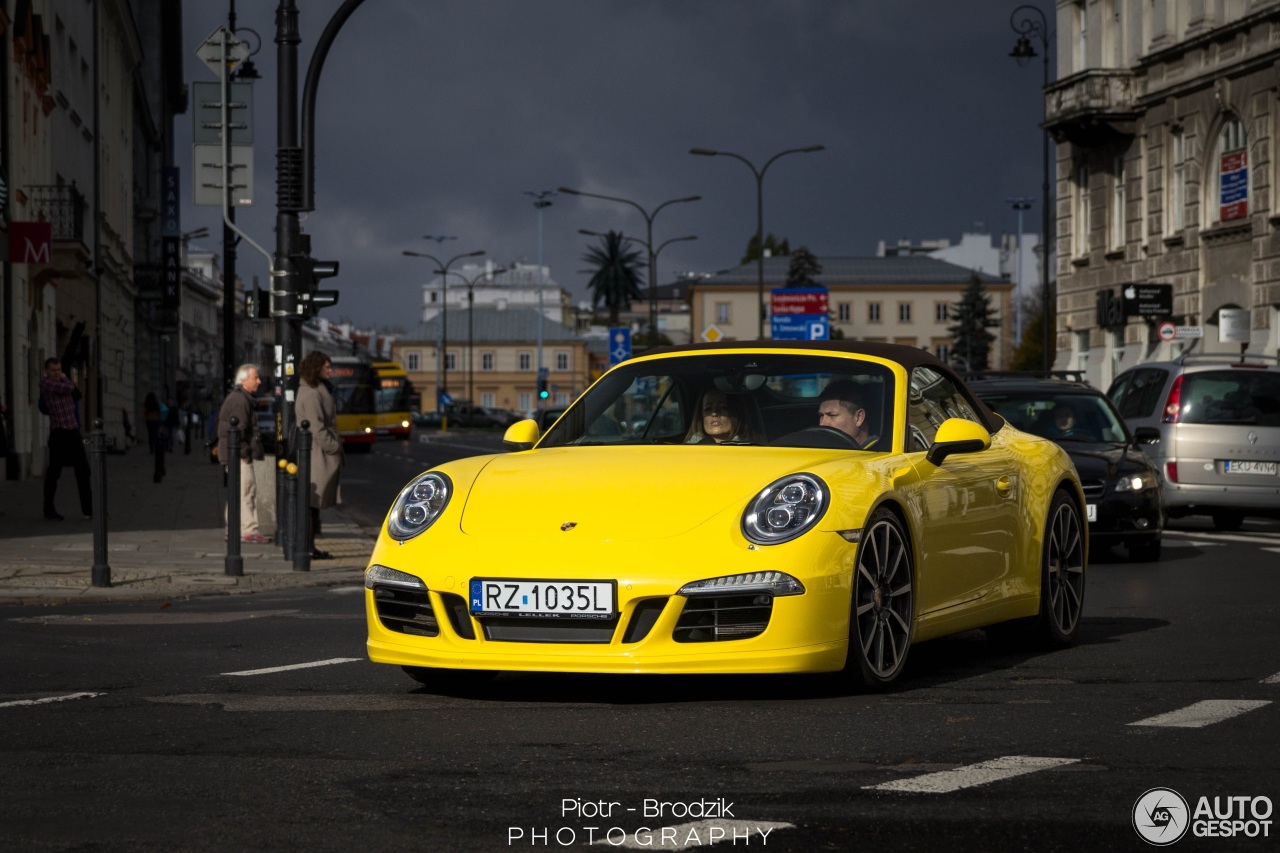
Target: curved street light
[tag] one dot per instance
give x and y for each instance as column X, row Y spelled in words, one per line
column 653, row 259
column 541, row 201
column 1029, row 22
column 759, row 174
column 471, row 309
column 442, row 337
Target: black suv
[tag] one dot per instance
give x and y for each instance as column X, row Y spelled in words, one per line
column 1121, row 485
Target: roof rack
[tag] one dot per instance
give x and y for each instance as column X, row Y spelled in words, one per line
column 1235, row 358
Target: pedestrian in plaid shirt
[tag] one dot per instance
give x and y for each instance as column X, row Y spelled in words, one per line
column 66, row 447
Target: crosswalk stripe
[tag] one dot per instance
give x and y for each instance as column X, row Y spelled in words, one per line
column 272, row 669
column 48, row 699
column 1204, row 713
column 984, row 773
column 1272, row 679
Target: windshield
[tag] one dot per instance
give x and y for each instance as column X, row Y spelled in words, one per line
column 1060, row 417
column 735, row 399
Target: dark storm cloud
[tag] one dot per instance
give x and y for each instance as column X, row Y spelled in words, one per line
column 436, row 117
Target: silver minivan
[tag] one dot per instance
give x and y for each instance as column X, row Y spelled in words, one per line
column 1211, row 423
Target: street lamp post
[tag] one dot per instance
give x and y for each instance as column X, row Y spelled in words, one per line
column 1019, row 204
column 653, row 258
column 759, row 174
column 471, row 307
column 541, row 201
column 1029, row 22
column 442, row 339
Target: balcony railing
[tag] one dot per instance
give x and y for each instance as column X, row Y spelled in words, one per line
column 63, row 206
column 1079, row 106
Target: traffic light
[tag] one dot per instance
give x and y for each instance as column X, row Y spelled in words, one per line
column 543, row 393
column 310, row 271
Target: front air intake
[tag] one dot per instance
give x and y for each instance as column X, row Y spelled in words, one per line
column 712, row 619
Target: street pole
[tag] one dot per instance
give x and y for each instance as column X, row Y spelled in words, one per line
column 759, row 176
column 541, row 202
column 1019, row 204
column 442, row 338
column 228, row 250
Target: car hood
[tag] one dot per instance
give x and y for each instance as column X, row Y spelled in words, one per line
column 621, row 493
column 1104, row 461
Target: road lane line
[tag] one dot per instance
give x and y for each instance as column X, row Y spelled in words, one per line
column 946, row 781
column 49, row 699
column 687, row 836
column 272, row 669
column 1272, row 679
column 1204, row 713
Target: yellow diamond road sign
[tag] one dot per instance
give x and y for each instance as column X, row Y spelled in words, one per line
column 210, row 51
column 711, row 334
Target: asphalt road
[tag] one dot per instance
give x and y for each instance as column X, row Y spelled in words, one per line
column 256, row 723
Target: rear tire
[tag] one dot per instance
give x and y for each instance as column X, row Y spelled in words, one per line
column 1062, row 573
column 882, row 609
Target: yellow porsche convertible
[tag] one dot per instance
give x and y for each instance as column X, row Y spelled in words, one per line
column 744, row 507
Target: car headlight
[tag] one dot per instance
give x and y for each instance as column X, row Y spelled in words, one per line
column 785, row 509
column 777, row 583
column 1135, row 482
column 419, row 505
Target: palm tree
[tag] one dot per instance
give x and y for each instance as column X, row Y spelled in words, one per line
column 615, row 275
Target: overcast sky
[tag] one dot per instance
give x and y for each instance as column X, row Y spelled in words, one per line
column 437, row 117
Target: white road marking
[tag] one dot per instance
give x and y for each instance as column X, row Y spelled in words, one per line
column 48, row 699
column 946, row 781
column 702, row 833
column 1272, row 550
column 1204, row 713
column 347, row 590
column 272, row 669
column 1254, row 538
column 1272, row 679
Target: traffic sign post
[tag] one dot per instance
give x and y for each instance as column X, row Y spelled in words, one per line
column 1167, row 331
column 619, row 345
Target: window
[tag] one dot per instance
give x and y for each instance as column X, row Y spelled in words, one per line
column 411, row 360
column 487, row 399
column 562, row 361
column 942, row 351
column 722, row 312
column 1232, row 168
column 933, row 398
column 1137, row 393
column 525, row 360
column 873, row 312
column 843, row 310
column 1080, row 229
column 904, row 312
column 562, row 398
column 941, row 312
column 1176, row 194
column 526, row 401
column 450, row 361
column 486, row 364
column 1082, row 42
column 1117, row 203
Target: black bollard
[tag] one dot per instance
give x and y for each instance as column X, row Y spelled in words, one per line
column 290, row 500
column 234, row 564
column 282, row 516
column 101, row 572
column 302, row 523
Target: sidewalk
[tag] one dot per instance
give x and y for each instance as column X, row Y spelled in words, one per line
column 164, row 540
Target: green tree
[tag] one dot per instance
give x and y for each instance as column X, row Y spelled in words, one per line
column 804, row 269
column 775, row 246
column 971, row 340
column 615, row 271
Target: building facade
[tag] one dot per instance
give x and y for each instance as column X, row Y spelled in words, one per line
column 902, row 299
column 1165, row 114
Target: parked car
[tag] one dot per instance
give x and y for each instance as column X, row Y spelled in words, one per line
column 1121, row 485
column 468, row 415
column 790, row 547
column 1211, row 424
column 426, row 420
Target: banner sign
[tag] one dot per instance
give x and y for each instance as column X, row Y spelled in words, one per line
column 170, row 271
column 798, row 300
column 1233, row 179
column 170, row 202
column 31, row 242
column 1148, row 300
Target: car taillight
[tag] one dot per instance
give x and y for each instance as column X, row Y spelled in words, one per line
column 1172, row 404
column 1171, row 471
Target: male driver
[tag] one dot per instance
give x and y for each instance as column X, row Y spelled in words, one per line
column 841, row 406
column 66, row 446
column 239, row 404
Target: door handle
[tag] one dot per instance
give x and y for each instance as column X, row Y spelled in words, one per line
column 1004, row 486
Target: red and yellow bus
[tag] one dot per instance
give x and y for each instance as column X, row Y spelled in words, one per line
column 354, row 385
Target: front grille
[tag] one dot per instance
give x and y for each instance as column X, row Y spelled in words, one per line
column 1094, row 489
column 455, row 607
column 407, row 611
column 540, row 630
column 712, row 619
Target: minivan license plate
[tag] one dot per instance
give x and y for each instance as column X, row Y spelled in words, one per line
column 548, row 598
column 1248, row 466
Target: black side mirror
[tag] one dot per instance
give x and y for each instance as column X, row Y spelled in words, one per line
column 1146, row 435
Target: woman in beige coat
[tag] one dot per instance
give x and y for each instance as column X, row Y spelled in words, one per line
column 315, row 404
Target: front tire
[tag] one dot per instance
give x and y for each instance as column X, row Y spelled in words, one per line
column 1062, row 573
column 882, row 612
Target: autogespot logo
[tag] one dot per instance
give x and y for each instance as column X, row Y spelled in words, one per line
column 1161, row 816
